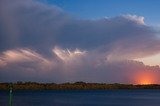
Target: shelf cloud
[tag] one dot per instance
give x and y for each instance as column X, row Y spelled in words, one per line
column 41, row 42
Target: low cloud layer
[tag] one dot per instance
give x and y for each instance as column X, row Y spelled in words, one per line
column 40, row 42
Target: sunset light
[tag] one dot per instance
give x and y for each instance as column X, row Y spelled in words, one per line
column 145, row 78
column 145, row 81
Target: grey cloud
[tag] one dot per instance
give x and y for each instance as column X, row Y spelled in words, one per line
column 41, row 27
column 114, row 36
column 29, row 24
column 87, row 68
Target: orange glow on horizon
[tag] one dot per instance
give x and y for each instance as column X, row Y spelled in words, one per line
column 145, row 81
column 145, row 78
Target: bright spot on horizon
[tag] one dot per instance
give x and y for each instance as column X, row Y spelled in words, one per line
column 145, row 78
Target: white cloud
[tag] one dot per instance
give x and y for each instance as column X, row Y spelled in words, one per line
column 67, row 55
column 138, row 19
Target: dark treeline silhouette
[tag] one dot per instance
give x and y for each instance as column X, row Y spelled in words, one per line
column 73, row 86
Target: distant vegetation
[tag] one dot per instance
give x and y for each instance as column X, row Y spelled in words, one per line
column 73, row 86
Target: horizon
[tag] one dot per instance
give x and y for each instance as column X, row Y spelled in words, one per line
column 69, row 41
column 77, row 82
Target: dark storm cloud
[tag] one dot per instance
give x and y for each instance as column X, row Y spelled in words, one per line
column 42, row 42
column 40, row 26
column 29, row 24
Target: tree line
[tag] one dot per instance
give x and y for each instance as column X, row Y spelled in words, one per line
column 72, row 86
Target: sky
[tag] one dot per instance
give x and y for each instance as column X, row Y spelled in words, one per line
column 95, row 9
column 105, row 41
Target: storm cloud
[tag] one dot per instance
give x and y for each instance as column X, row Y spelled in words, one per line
column 41, row 42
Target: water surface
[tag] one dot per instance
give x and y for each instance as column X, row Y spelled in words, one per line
column 83, row 98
